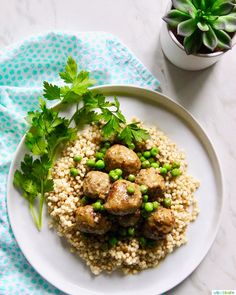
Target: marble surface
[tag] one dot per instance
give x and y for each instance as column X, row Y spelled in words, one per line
column 210, row 95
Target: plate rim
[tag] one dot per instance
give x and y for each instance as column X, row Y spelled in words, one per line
column 120, row 88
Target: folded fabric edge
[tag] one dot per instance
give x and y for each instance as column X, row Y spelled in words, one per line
column 145, row 74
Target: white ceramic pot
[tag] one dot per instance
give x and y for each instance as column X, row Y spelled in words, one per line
column 176, row 54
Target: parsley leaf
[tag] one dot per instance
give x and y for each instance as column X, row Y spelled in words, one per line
column 79, row 83
column 70, row 72
column 51, row 91
column 48, row 131
column 133, row 133
column 33, row 181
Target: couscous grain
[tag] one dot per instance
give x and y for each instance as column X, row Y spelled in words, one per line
column 128, row 256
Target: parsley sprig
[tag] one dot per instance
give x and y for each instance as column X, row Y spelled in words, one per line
column 48, row 131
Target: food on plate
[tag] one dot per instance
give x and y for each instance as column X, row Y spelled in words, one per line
column 96, row 184
column 124, row 198
column 88, row 220
column 121, row 157
column 117, row 191
column 145, row 213
column 152, row 179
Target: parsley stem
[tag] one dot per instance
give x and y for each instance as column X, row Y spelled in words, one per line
column 32, row 211
column 75, row 113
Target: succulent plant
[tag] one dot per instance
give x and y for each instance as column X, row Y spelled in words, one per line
column 203, row 23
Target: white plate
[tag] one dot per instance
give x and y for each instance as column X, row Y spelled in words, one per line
column 49, row 255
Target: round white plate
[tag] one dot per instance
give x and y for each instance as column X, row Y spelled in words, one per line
column 49, row 254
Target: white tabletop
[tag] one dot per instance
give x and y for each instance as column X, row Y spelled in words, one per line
column 210, row 95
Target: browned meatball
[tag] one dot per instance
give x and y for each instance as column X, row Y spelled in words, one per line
column 129, row 219
column 119, row 156
column 119, row 202
column 152, row 179
column 96, row 184
column 89, row 221
column 159, row 223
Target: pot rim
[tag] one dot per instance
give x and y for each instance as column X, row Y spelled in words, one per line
column 205, row 55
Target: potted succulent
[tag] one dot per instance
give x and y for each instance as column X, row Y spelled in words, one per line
column 198, row 32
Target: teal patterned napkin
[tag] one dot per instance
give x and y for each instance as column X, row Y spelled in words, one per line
column 23, row 68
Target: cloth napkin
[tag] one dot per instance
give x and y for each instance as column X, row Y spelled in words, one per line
column 23, row 68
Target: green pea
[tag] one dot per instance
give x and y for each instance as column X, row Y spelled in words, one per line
column 155, row 205
column 102, row 208
column 91, row 163
column 142, row 159
column 143, row 189
column 104, row 247
column 113, row 175
column 97, row 206
column 139, row 154
column 154, row 151
column 131, row 177
column 167, row 202
column 145, row 198
column 100, row 164
column 131, row 231
column 122, row 231
column 146, row 164
column 107, row 144
column 151, row 160
column 99, row 155
column 151, row 243
column 163, row 171
column 130, row 190
column 167, row 166
column 77, row 158
column 74, row 172
column 103, row 150
column 131, row 146
column 155, row 165
column 142, row 241
column 148, row 207
column 175, row 172
column 175, row 165
column 84, row 200
column 118, row 171
column 147, row 154
column 113, row 241
column 144, row 213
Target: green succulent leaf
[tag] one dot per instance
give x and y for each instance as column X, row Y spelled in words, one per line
column 223, row 9
column 193, row 43
column 226, row 22
column 200, row 4
column 186, row 28
column 184, row 6
column 174, row 17
column 196, row 3
column 209, row 39
column 203, row 26
column 224, row 40
column 203, row 23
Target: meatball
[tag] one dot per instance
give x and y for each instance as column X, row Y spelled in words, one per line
column 159, row 223
column 119, row 156
column 89, row 221
column 129, row 219
column 96, row 184
column 120, row 202
column 152, row 179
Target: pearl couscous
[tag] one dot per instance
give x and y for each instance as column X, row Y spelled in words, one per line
column 129, row 255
